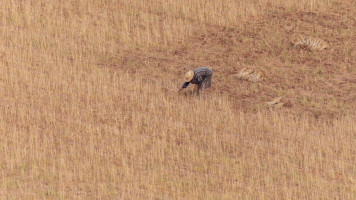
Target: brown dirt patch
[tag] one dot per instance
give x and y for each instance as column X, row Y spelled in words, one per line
column 321, row 83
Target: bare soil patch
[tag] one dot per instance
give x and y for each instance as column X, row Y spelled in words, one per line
column 321, row 83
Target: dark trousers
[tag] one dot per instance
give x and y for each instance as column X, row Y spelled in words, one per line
column 205, row 83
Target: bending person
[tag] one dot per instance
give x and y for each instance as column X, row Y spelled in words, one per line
column 200, row 76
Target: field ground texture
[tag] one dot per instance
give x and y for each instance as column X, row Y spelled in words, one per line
column 89, row 106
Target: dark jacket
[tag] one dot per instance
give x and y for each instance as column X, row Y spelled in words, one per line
column 201, row 75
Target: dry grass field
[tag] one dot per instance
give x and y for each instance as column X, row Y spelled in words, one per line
column 89, row 106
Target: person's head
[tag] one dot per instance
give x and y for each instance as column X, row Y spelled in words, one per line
column 189, row 76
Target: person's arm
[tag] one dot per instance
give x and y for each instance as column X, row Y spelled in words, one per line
column 184, row 86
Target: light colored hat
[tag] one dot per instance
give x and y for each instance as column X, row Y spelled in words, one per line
column 189, row 76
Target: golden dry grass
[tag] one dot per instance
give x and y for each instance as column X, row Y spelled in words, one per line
column 250, row 75
column 310, row 43
column 72, row 130
column 161, row 23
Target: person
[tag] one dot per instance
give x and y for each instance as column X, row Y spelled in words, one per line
column 200, row 76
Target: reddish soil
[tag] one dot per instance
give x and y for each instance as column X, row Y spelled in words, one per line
column 321, row 83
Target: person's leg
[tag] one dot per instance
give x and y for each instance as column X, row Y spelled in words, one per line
column 202, row 85
column 208, row 81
